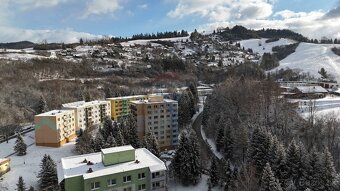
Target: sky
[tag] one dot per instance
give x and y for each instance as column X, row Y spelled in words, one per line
column 69, row 20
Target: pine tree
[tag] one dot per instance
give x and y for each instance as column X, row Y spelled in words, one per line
column 226, row 174
column 228, row 143
column 150, row 143
column 131, row 131
column 184, row 110
column 42, row 105
column 280, row 168
column 83, row 143
column 213, row 172
column 293, row 160
column 268, row 180
column 186, row 163
column 48, row 173
column 193, row 90
column 290, row 186
column 98, row 142
column 314, row 172
column 21, row 184
column 107, row 128
column 20, row 146
column 219, row 138
column 31, row 188
column 328, row 176
column 259, row 149
column 110, row 142
column 120, row 138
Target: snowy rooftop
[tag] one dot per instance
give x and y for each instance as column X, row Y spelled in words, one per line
column 152, row 102
column 54, row 113
column 74, row 166
column 117, row 149
column 311, row 89
column 83, row 104
column 126, row 97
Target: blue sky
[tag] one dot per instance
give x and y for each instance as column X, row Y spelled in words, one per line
column 68, row 20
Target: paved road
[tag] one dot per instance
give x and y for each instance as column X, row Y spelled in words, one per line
column 205, row 150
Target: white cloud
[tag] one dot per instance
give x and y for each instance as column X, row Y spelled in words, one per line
column 9, row 34
column 221, row 10
column 98, row 7
column 31, row 4
column 309, row 24
column 143, row 6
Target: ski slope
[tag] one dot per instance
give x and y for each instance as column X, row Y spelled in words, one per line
column 308, row 57
column 311, row 58
column 254, row 44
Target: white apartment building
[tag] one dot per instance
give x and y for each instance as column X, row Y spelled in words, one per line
column 89, row 113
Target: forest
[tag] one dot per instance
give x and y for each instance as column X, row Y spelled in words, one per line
column 266, row 144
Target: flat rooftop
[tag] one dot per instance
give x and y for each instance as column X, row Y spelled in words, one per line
column 83, row 104
column 55, row 113
column 152, row 102
column 126, row 97
column 74, row 166
column 117, row 149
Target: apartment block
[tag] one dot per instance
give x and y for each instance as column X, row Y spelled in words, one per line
column 89, row 113
column 159, row 116
column 120, row 106
column 54, row 128
column 4, row 166
column 114, row 169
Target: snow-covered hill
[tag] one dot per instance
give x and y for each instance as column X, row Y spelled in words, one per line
column 312, row 57
column 260, row 46
column 307, row 57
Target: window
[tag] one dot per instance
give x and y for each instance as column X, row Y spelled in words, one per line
column 95, row 185
column 127, row 179
column 141, row 175
column 128, row 189
column 111, row 182
column 157, row 174
column 142, row 187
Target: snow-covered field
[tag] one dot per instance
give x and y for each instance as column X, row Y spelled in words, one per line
column 28, row 166
column 145, row 42
column 265, row 47
column 312, row 57
column 323, row 107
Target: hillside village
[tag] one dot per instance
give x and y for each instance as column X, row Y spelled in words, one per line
column 123, row 115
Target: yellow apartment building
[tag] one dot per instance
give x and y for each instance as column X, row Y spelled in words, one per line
column 120, row 106
column 54, row 128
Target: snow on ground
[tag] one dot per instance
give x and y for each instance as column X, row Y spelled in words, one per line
column 265, row 47
column 201, row 186
column 311, row 58
column 28, row 166
column 323, row 107
column 145, row 42
column 20, row 56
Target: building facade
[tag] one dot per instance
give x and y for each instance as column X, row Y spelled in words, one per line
column 89, row 113
column 4, row 166
column 120, row 106
column 114, row 169
column 158, row 116
column 54, row 128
